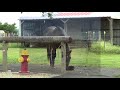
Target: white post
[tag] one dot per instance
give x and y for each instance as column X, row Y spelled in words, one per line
column 111, row 30
column 99, row 35
column 104, row 39
column 19, row 33
column 20, row 24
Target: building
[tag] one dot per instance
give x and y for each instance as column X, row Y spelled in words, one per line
column 78, row 25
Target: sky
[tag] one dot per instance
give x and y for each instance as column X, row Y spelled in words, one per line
column 13, row 17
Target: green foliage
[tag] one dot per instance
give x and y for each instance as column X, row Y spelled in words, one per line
column 8, row 28
column 96, row 47
column 105, row 48
column 49, row 14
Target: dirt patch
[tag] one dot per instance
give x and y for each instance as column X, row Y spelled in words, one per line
column 44, row 71
column 29, row 75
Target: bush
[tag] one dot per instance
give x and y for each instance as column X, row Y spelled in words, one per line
column 98, row 47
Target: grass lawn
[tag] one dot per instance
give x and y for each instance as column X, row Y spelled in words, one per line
column 110, row 60
column 37, row 56
column 79, row 57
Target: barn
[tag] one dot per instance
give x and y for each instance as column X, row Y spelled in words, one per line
column 79, row 25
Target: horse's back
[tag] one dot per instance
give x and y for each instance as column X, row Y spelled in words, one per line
column 54, row 31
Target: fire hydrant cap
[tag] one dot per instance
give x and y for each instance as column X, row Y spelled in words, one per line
column 24, row 52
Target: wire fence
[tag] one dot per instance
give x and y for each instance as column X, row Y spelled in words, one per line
column 87, row 56
column 80, row 56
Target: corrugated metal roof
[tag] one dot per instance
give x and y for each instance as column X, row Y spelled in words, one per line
column 73, row 15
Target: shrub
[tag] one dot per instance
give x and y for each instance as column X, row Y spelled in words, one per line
column 98, row 47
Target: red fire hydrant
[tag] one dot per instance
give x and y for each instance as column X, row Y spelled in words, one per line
column 24, row 59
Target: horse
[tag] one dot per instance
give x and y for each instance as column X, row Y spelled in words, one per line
column 51, row 48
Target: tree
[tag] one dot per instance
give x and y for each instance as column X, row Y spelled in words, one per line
column 49, row 14
column 8, row 28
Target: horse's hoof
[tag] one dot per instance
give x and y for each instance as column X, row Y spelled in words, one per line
column 70, row 68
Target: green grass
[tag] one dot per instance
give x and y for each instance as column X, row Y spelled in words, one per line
column 80, row 57
column 36, row 55
column 97, row 56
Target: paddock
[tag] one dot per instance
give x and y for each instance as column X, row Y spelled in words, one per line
column 34, row 39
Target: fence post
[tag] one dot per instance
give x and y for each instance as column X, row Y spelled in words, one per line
column 90, row 38
column 111, row 30
column 99, row 33
column 63, row 54
column 104, row 39
column 4, row 50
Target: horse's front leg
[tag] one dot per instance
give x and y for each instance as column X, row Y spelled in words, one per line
column 53, row 56
column 50, row 55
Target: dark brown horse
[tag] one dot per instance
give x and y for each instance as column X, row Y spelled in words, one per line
column 51, row 48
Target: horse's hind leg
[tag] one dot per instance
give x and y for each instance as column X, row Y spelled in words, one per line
column 51, row 54
column 68, row 58
column 68, row 55
column 48, row 52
